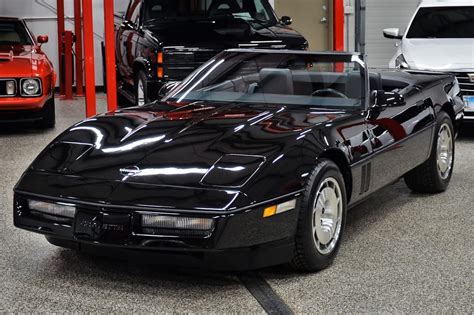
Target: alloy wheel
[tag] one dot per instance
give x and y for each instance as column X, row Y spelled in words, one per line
column 444, row 151
column 327, row 216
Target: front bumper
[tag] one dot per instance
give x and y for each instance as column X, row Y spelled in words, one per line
column 18, row 109
column 23, row 103
column 240, row 240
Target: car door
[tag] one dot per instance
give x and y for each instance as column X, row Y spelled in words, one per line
column 401, row 136
column 127, row 39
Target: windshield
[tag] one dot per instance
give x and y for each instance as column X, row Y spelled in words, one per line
column 169, row 11
column 13, row 33
column 443, row 22
column 329, row 81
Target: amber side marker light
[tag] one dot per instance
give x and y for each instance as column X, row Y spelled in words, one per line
column 279, row 208
column 160, row 71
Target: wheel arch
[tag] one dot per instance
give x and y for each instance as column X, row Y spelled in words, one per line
column 448, row 108
column 340, row 159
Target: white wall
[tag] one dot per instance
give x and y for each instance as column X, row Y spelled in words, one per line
column 380, row 14
column 383, row 14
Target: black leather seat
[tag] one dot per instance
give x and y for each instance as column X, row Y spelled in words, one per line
column 276, row 81
column 375, row 81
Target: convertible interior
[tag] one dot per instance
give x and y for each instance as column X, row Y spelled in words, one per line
column 284, row 85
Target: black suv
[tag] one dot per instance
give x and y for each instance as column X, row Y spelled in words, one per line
column 160, row 41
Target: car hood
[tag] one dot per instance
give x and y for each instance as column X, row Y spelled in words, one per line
column 17, row 60
column 159, row 146
column 439, row 54
column 225, row 34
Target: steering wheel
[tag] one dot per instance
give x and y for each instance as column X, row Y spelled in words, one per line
column 328, row 92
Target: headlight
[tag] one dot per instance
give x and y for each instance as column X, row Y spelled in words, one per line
column 401, row 63
column 30, row 87
column 232, row 170
column 54, row 209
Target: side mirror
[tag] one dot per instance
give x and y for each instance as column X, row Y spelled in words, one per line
column 166, row 88
column 382, row 99
column 42, row 39
column 392, row 33
column 286, row 20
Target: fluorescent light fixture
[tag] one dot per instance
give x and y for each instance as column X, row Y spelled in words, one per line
column 55, row 209
column 159, row 221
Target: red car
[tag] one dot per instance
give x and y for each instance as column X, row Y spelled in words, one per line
column 27, row 77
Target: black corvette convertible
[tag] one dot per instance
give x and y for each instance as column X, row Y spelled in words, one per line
column 253, row 160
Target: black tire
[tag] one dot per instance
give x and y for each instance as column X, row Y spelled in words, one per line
column 307, row 256
column 427, row 178
column 140, row 78
column 48, row 115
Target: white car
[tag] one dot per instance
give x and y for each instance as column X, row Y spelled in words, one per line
column 440, row 37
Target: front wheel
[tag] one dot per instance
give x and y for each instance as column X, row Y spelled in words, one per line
column 322, row 218
column 48, row 114
column 434, row 175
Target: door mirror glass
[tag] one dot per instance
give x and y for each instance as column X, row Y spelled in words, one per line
column 382, row 99
column 286, row 20
column 392, row 33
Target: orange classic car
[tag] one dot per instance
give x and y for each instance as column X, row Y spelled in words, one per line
column 27, row 77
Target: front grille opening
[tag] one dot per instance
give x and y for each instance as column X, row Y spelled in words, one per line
column 467, row 87
column 175, row 232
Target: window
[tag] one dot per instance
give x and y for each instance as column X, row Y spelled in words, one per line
column 258, row 12
column 277, row 78
column 13, row 33
column 443, row 22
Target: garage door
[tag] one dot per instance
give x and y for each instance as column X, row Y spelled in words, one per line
column 384, row 14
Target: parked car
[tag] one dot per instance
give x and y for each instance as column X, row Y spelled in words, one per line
column 251, row 161
column 440, row 37
column 165, row 40
column 27, row 77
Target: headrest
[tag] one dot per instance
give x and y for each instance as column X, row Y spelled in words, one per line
column 276, row 81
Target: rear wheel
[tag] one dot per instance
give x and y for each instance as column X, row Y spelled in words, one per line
column 434, row 175
column 48, row 114
column 141, row 89
column 322, row 218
